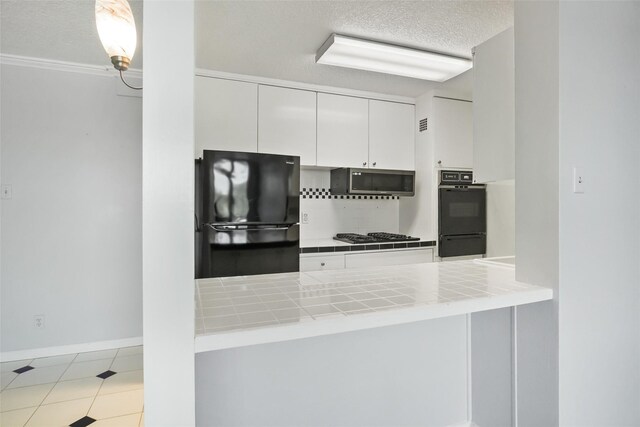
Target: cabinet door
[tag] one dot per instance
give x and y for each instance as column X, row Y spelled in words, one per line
column 343, row 131
column 388, row 258
column 391, row 135
column 453, row 133
column 321, row 262
column 225, row 115
column 287, row 123
column 494, row 109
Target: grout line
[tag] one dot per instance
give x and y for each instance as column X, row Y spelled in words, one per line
column 54, row 386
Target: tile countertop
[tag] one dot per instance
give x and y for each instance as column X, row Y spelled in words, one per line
column 240, row 311
column 329, row 242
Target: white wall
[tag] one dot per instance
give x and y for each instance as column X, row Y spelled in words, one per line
column 600, row 229
column 327, row 217
column 418, row 214
column 578, row 359
column 501, row 218
column 167, row 214
column 71, row 234
column 537, row 208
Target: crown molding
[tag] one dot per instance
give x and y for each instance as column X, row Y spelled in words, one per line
column 202, row 72
column 73, row 67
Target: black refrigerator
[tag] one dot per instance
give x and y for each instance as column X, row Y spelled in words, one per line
column 247, row 213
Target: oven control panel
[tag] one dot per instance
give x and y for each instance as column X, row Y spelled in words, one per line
column 456, row 177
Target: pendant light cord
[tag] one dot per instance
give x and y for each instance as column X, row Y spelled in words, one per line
column 127, row 84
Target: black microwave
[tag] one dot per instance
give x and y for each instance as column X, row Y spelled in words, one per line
column 355, row 181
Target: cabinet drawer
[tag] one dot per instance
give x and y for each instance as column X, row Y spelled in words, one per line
column 321, row 262
column 389, row 258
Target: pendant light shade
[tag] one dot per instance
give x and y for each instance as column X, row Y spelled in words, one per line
column 117, row 31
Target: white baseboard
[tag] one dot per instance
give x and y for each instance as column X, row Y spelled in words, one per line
column 463, row 424
column 34, row 353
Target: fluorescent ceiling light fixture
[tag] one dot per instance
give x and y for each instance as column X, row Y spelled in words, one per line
column 360, row 54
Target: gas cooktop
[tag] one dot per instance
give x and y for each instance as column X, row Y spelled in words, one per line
column 377, row 237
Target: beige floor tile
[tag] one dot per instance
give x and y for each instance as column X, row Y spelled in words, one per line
column 116, row 404
column 10, row 366
column 86, row 369
column 60, row 414
column 52, row 361
column 132, row 420
column 48, row 374
column 142, row 420
column 16, row 418
column 96, row 355
column 123, row 381
column 127, row 363
column 6, row 378
column 24, row 397
column 129, row 351
column 75, row 389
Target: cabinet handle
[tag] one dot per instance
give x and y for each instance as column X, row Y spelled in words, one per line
column 364, row 163
column 322, row 264
column 374, row 164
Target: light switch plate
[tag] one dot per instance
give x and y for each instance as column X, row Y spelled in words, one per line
column 6, row 192
column 578, row 180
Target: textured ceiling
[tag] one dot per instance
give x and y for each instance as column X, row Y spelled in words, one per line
column 64, row 30
column 275, row 39
column 279, row 39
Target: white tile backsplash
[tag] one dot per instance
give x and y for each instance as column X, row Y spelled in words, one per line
column 326, row 217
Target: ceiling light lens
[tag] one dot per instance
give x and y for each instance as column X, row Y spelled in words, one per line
column 389, row 59
column 117, row 31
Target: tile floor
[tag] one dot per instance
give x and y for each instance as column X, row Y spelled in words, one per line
column 100, row 388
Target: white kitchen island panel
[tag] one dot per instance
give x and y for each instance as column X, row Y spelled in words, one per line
column 241, row 311
column 405, row 375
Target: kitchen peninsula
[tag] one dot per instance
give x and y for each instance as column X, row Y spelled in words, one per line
column 353, row 325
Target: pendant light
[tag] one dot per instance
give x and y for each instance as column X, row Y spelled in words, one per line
column 117, row 31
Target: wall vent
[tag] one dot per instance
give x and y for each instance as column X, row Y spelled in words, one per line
column 423, row 125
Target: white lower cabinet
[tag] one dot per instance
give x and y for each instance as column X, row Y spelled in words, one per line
column 378, row 259
column 317, row 262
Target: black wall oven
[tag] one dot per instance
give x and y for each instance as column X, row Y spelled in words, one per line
column 462, row 215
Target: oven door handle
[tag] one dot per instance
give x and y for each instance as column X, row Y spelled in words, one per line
column 463, row 236
column 228, row 228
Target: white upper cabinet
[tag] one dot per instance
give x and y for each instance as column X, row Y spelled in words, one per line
column 323, row 129
column 287, row 122
column 225, row 115
column 343, row 131
column 391, row 135
column 494, row 109
column 453, row 133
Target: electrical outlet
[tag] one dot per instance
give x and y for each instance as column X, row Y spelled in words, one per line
column 38, row 321
column 305, row 218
